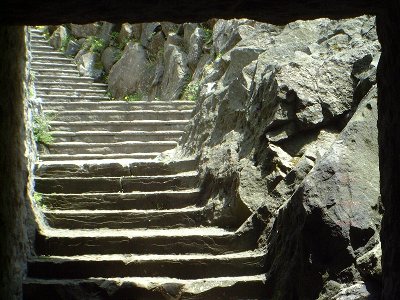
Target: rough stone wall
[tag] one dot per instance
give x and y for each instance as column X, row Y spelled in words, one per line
column 13, row 170
column 285, row 126
column 389, row 146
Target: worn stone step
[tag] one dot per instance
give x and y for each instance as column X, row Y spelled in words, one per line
column 133, row 200
column 62, row 78
column 189, row 266
column 108, row 137
column 70, row 91
column 126, row 219
column 146, row 288
column 53, row 59
column 72, row 85
column 120, row 115
column 42, row 47
column 53, row 66
column 101, row 157
column 56, row 72
column 113, row 168
column 207, row 240
column 74, row 185
column 116, row 105
column 39, row 53
column 74, row 98
column 142, row 125
column 110, row 148
column 38, row 41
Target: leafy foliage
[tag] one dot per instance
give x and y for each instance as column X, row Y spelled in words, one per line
column 95, row 44
column 191, row 91
column 41, row 128
column 133, row 97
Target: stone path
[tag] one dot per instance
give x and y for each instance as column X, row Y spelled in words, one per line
column 122, row 225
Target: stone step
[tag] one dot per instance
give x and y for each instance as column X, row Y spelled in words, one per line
column 56, row 72
column 133, row 200
column 113, row 168
column 53, row 59
column 109, row 137
column 145, row 288
column 119, row 115
column 117, row 105
column 185, row 266
column 72, row 85
column 72, row 92
column 39, row 53
column 208, row 240
column 100, row 157
column 53, row 66
column 42, row 48
column 126, row 219
column 75, row 98
column 125, row 184
column 65, row 79
column 38, row 41
column 142, row 125
column 72, row 148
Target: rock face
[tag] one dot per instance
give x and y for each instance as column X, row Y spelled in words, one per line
column 286, row 123
column 125, row 75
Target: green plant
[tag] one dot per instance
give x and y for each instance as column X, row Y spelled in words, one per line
column 41, row 128
column 65, row 42
column 95, row 44
column 208, row 35
column 191, row 91
column 38, row 198
column 133, row 97
column 109, row 95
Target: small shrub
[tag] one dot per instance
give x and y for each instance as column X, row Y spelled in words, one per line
column 95, row 44
column 41, row 128
column 38, row 198
column 208, row 35
column 64, row 43
column 133, row 97
column 191, row 91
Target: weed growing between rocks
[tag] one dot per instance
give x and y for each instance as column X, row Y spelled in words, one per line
column 191, row 91
column 38, row 198
column 133, row 97
column 41, row 128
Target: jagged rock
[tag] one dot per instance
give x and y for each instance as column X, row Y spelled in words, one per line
column 188, row 30
column 336, row 208
column 72, row 48
column 126, row 74
column 196, row 43
column 105, row 31
column 174, row 39
column 59, row 37
column 109, row 57
column 89, row 64
column 129, row 31
column 369, row 264
column 168, row 27
column 148, row 31
column 354, row 292
column 176, row 72
column 226, row 33
column 156, row 46
column 84, row 31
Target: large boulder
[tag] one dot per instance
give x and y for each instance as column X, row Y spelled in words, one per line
column 125, row 76
column 109, row 57
column 84, row 31
column 89, row 64
column 59, row 38
column 176, row 73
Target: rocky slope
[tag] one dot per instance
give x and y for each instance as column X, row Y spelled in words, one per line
column 284, row 128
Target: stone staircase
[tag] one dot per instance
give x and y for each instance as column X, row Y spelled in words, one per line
column 121, row 224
